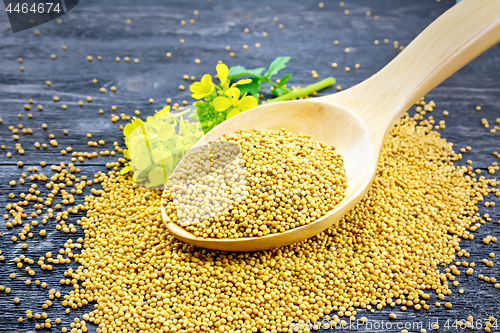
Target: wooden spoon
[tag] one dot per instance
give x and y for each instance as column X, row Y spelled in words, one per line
column 357, row 120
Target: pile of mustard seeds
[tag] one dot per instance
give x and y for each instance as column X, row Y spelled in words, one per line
column 255, row 183
column 393, row 249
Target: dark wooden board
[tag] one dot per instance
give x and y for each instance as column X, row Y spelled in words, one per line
column 100, row 28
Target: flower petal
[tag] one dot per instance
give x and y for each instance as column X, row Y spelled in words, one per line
column 196, row 88
column 233, row 113
column 240, row 82
column 221, row 103
column 206, row 80
column 222, row 72
column 125, row 170
column 203, row 88
column 233, row 93
column 247, row 102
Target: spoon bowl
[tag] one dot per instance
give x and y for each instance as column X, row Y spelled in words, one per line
column 357, row 120
column 339, row 128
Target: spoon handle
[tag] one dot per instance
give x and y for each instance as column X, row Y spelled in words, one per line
column 457, row 37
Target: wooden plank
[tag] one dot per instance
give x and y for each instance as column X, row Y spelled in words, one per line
column 100, row 28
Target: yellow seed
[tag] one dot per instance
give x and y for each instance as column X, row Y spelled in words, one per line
column 254, row 226
column 359, row 249
column 89, row 58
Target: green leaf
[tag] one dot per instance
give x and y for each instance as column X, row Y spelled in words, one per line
column 280, row 91
column 277, row 65
column 251, row 88
column 125, row 170
column 236, row 71
column 284, row 80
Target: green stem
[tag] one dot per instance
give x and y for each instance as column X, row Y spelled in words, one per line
column 305, row 91
column 275, row 85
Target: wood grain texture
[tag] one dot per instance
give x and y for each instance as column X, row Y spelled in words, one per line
column 99, row 28
column 357, row 120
